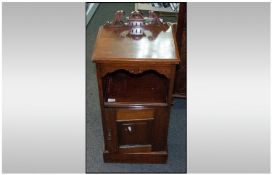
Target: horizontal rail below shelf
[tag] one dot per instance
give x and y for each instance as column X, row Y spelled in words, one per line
column 129, row 104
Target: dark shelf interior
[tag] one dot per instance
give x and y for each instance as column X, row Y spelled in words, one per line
column 122, row 87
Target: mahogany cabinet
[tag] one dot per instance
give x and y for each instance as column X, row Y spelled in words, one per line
column 136, row 63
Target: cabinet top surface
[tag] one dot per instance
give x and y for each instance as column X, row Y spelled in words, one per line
column 157, row 45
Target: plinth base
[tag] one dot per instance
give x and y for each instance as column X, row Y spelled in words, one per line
column 159, row 157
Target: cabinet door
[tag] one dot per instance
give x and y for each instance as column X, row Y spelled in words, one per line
column 135, row 132
column 135, row 126
column 129, row 130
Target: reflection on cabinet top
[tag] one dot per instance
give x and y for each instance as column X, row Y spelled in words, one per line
column 157, row 45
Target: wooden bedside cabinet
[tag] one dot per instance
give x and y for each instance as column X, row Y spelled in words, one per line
column 136, row 64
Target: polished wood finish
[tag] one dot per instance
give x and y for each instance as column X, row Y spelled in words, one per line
column 132, row 114
column 135, row 148
column 135, row 132
column 131, row 104
column 159, row 48
column 135, row 81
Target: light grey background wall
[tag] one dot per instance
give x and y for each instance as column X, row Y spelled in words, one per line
column 228, row 118
column 43, row 87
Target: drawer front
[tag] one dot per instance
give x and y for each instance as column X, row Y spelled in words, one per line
column 134, row 115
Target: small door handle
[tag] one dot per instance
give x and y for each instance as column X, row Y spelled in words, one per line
column 129, row 128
